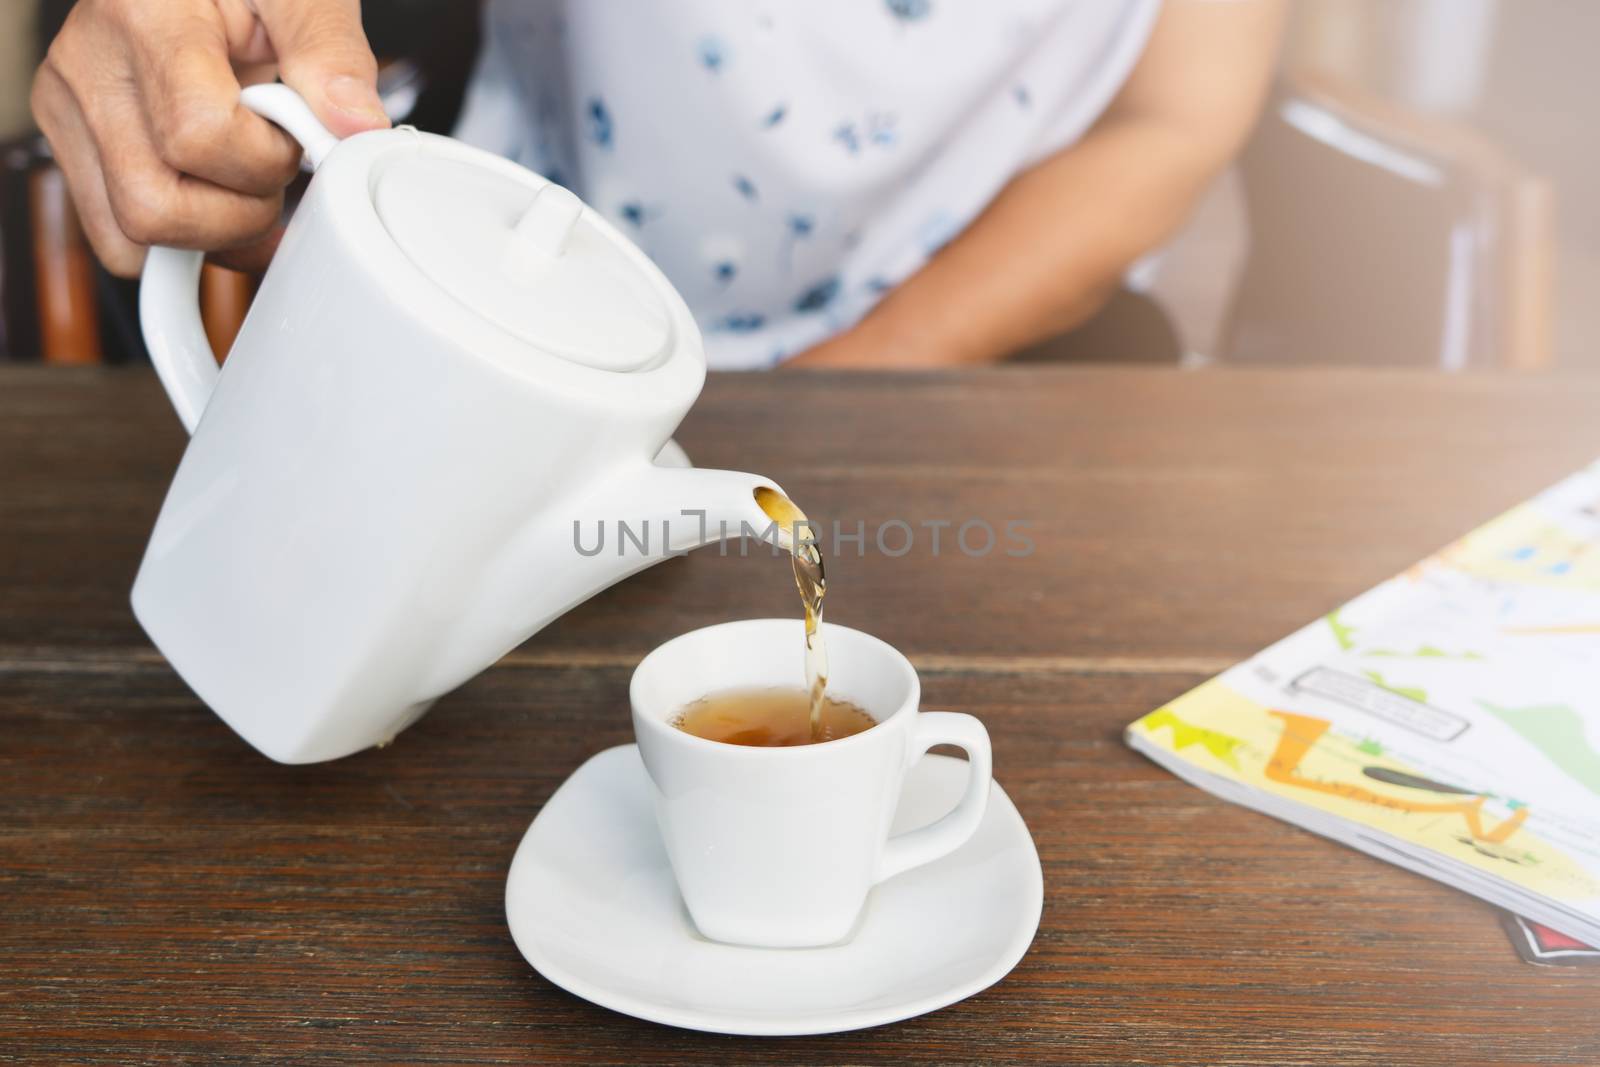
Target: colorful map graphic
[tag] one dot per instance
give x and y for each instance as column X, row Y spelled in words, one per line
column 1302, row 732
column 1302, row 759
column 1447, row 720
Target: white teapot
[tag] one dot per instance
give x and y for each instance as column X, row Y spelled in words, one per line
column 450, row 363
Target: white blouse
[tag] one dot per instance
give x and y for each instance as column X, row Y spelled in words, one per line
column 787, row 163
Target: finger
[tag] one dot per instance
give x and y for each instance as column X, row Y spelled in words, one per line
column 247, row 37
column 182, row 66
column 251, row 258
column 155, row 204
column 323, row 55
column 62, row 123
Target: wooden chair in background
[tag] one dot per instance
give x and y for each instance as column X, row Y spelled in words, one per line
column 65, row 281
column 1381, row 236
column 63, row 273
column 1351, row 230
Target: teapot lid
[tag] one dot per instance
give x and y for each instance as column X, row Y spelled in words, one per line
column 525, row 254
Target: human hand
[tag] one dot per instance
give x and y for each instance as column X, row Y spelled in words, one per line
column 140, row 102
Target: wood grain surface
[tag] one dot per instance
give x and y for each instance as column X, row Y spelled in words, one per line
column 168, row 895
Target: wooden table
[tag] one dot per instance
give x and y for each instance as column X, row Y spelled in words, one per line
column 166, row 892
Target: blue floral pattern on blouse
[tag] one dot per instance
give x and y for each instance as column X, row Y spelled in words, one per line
column 786, row 165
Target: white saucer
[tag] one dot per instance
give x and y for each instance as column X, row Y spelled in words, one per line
column 592, row 905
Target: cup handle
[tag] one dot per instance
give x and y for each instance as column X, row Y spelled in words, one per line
column 169, row 287
column 916, row 847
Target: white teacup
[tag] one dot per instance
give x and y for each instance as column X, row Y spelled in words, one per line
column 778, row 847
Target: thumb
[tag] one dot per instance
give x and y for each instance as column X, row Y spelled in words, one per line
column 324, row 56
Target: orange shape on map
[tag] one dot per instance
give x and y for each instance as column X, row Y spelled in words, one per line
column 1300, row 732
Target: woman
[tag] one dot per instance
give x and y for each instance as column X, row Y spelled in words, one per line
column 859, row 183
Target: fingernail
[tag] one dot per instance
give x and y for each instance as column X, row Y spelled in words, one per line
column 355, row 97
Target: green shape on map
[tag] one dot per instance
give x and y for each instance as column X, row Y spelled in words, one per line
column 1185, row 734
column 1425, row 652
column 1369, row 747
column 1409, row 692
column 1557, row 731
column 1343, row 634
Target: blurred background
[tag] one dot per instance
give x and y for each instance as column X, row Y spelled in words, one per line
column 1420, row 191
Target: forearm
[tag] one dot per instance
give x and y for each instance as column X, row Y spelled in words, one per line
column 1056, row 241
column 1045, row 255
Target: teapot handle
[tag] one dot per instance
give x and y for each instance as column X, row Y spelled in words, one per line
column 169, row 288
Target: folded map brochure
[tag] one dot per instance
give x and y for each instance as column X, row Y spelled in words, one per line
column 1447, row 720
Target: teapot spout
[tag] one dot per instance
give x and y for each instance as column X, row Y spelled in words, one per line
column 634, row 517
column 670, row 510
